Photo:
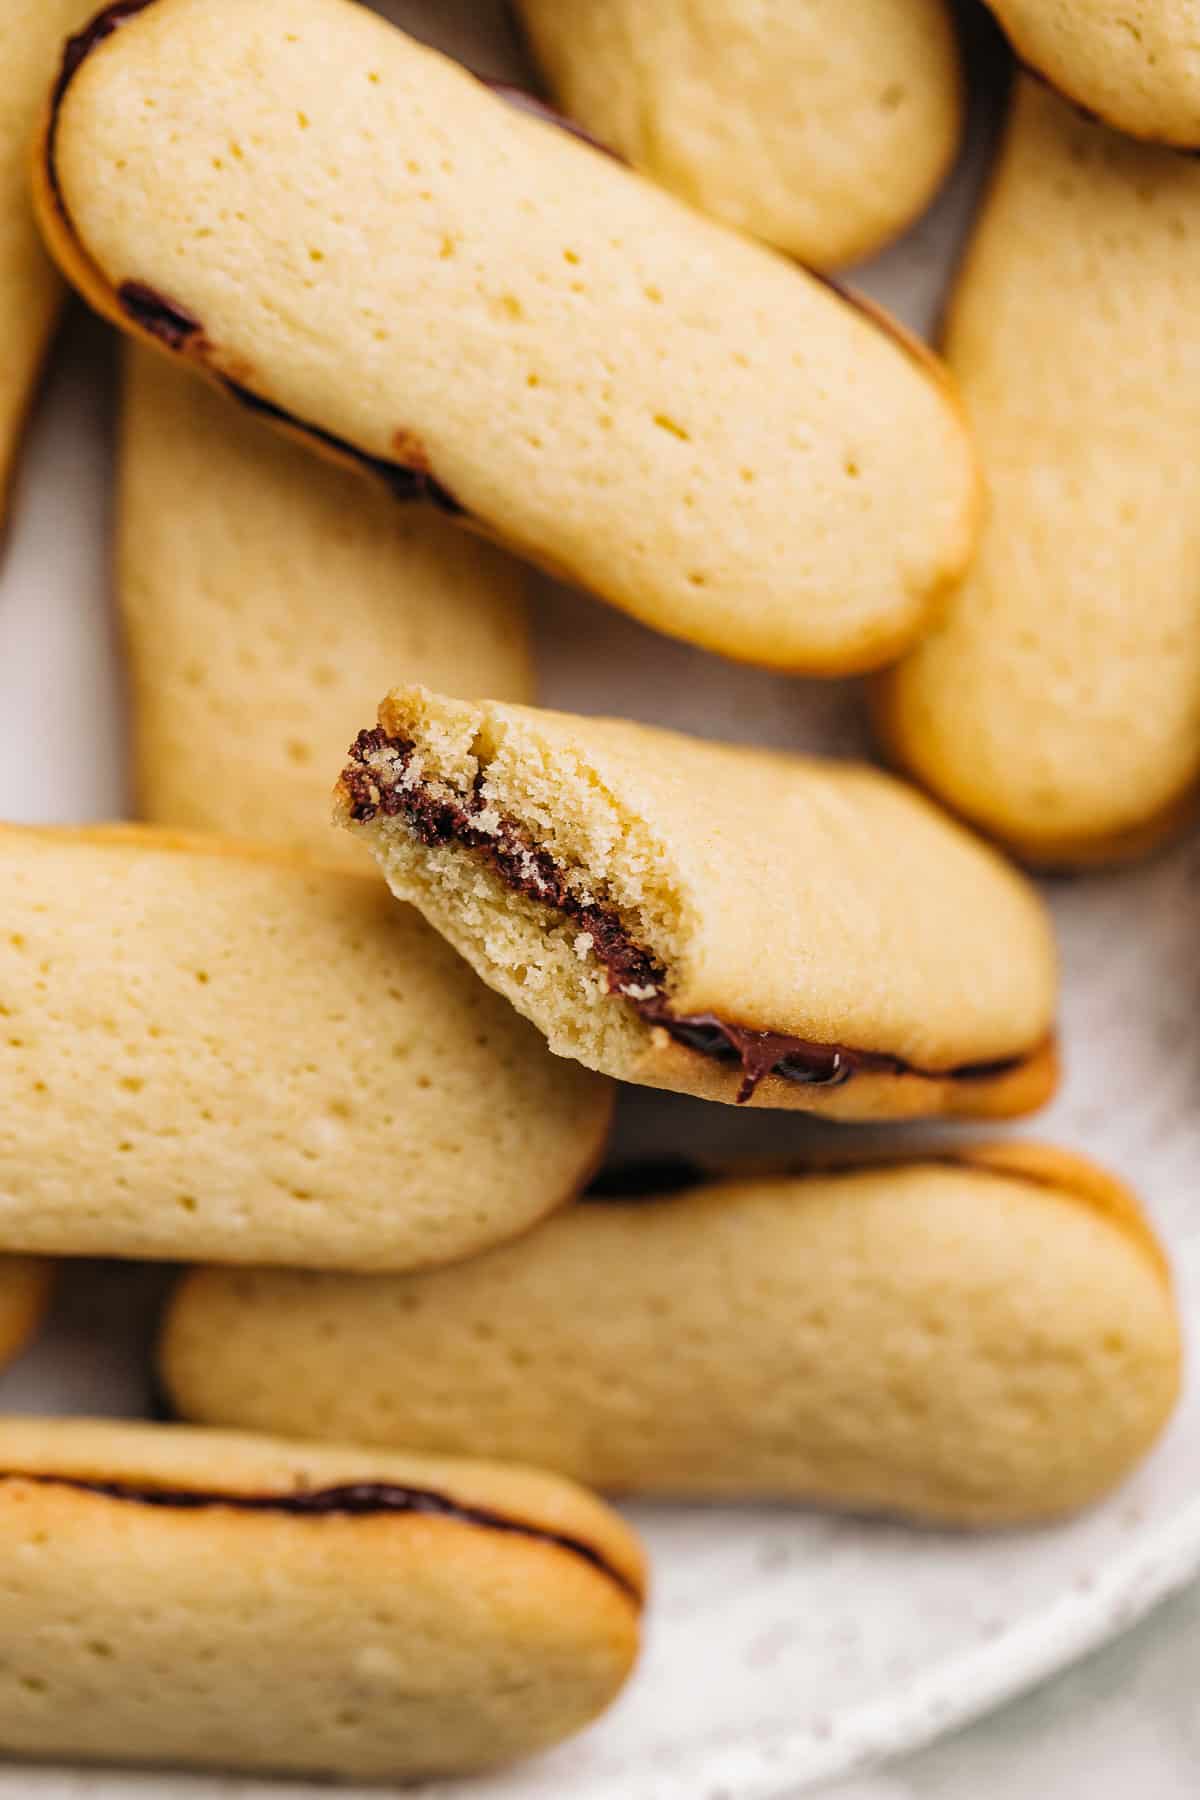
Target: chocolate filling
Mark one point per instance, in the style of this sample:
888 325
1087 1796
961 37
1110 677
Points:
359 1499
79 47
161 317
634 974
404 480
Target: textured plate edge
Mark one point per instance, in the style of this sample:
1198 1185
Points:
954 1694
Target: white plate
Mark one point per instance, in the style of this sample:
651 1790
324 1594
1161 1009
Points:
783 1646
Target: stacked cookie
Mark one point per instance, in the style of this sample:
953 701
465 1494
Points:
395 331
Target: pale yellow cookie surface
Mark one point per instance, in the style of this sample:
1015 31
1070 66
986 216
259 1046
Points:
419 272
31 291
1136 64
215 1052
778 894
822 128
197 1598
908 1338
1058 702
262 592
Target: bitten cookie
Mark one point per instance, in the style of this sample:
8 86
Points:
262 592
723 921
419 274
190 1597
1058 702
823 128
25 1285
907 1338
31 35
221 1052
1136 65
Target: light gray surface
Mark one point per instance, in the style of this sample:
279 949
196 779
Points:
1122 1725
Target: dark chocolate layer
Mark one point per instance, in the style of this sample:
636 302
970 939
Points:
634 974
359 1499
162 318
405 480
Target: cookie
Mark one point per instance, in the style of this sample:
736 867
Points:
262 592
1134 65
217 1051
31 292
727 922
1057 705
504 322
824 129
905 1338
25 1285
186 1597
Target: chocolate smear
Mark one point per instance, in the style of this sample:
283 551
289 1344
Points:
406 482
162 318
359 1499
634 974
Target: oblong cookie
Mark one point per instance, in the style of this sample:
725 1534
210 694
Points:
727 922
1135 65
262 592
211 1050
198 1598
420 276
824 129
1057 704
907 1338
31 291
25 1287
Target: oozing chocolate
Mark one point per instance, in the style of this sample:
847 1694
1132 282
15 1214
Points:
406 481
358 1499
161 317
633 972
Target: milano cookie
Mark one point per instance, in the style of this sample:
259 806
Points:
1058 702
31 35
907 1338
212 1051
824 128
727 922
188 1597
25 1285
262 592
372 248
1135 64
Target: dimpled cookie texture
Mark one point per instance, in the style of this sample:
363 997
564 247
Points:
262 591
1058 703
1136 64
898 1338
823 128
699 883
25 1286
31 292
514 325
217 1051
186 1597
